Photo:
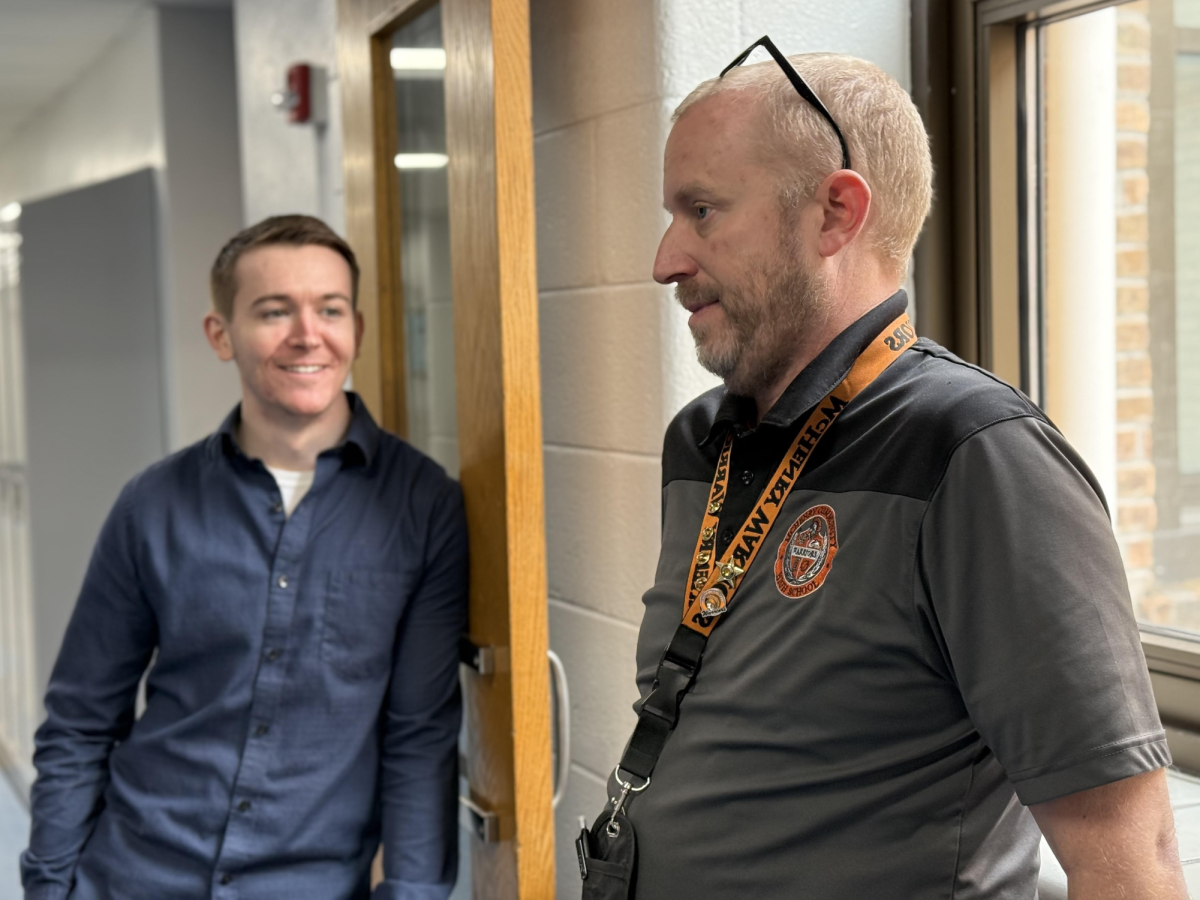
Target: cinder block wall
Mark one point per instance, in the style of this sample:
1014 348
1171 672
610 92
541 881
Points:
617 359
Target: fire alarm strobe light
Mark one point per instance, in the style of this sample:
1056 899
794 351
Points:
296 100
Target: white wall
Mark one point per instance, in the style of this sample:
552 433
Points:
161 96
288 168
201 208
107 124
617 358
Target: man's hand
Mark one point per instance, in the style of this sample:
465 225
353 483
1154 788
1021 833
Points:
1116 841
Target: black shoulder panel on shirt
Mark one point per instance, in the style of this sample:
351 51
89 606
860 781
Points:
896 437
683 458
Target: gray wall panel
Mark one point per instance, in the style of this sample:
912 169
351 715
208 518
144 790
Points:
93 377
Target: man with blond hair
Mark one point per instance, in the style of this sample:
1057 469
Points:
899 636
296 583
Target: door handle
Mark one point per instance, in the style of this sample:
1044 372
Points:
481 659
562 703
480 821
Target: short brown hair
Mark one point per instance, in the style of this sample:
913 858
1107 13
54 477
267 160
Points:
294 230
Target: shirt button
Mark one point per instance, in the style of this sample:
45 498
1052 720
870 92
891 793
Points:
726 535
226 878
747 477
276 507
244 806
261 730
282 581
272 655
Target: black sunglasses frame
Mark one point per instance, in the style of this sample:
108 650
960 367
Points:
798 83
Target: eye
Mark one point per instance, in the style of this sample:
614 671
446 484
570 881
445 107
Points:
332 312
702 212
274 313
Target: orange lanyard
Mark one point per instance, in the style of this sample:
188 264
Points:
712 584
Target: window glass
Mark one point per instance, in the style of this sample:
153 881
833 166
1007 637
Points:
1118 175
1187 264
418 65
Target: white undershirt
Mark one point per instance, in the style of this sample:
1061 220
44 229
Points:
292 485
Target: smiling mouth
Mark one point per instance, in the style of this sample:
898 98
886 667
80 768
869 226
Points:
303 370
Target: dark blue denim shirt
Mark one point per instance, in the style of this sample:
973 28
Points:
303 703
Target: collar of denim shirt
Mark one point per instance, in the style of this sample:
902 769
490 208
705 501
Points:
358 447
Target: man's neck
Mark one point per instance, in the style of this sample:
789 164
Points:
843 315
289 442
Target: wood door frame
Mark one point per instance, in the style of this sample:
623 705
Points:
489 132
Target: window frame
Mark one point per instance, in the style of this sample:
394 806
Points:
984 212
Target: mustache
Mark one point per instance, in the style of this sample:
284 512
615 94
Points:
688 293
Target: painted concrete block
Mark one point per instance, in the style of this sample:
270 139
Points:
629 153
598 654
586 796
876 30
565 171
701 37
602 529
602 355
683 378
591 57
617 364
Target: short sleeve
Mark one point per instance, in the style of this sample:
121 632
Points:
1022 582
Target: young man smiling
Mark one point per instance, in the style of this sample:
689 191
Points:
302 576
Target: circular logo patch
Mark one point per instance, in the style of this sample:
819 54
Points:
806 554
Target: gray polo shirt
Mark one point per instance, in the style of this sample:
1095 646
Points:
937 633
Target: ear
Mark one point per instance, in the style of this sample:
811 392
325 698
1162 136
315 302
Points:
216 329
359 327
845 200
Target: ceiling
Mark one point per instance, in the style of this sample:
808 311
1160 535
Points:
45 45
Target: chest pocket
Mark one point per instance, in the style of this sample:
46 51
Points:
362 609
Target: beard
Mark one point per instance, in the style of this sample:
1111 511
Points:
763 325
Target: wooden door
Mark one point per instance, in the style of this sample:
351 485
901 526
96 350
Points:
489 146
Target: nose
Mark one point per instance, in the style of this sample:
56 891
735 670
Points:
672 263
305 327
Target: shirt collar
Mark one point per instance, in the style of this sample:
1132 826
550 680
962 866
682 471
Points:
358 446
816 380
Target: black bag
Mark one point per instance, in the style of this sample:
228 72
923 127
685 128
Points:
607 856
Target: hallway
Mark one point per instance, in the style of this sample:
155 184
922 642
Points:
14 835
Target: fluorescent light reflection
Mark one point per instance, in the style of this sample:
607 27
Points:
10 213
418 59
421 160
